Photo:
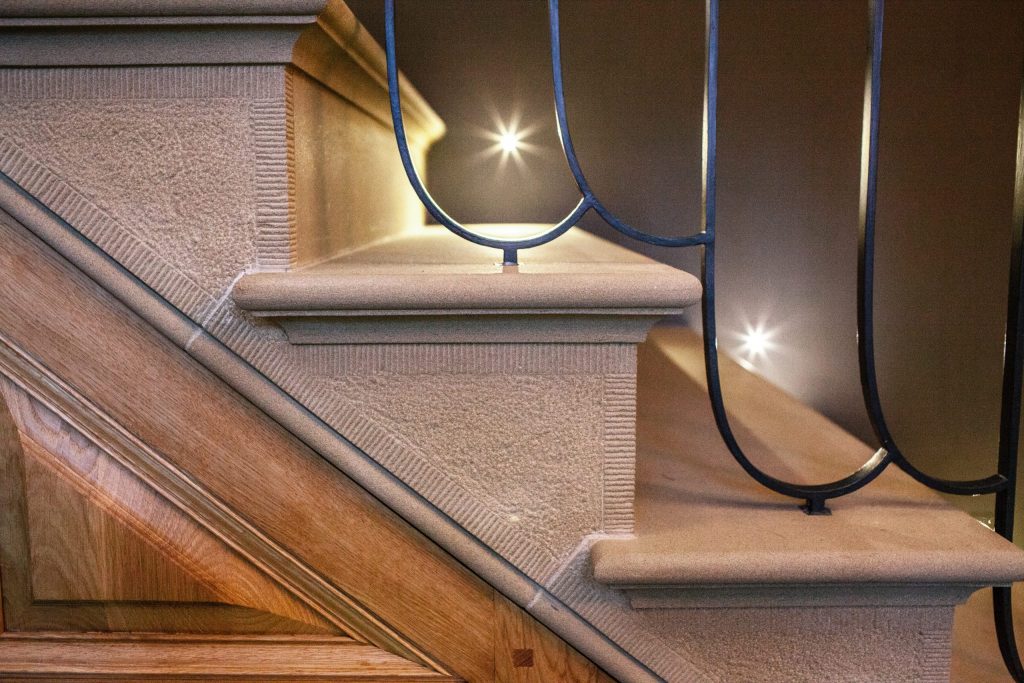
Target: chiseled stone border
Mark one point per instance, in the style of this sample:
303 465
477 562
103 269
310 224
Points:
473 359
619 449
144 82
275 215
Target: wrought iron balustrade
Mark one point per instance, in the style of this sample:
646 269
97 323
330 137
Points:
1002 484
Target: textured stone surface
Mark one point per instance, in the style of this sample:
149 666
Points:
527 447
158 166
896 645
177 173
197 215
530 447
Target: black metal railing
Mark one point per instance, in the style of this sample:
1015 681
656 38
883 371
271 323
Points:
1002 484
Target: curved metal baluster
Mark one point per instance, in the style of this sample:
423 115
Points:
509 247
1009 427
1004 482
1009 418
815 495
865 294
574 164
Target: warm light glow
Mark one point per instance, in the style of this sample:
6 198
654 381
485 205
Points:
756 341
509 141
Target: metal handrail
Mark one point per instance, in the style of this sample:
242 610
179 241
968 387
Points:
1002 483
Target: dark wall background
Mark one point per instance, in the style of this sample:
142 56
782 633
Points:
791 88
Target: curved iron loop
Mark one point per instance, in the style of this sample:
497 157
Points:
1004 482
569 151
814 495
865 283
509 247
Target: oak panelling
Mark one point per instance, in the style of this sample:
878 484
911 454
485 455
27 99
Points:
84 539
148 658
16 594
126 540
214 436
524 653
220 521
78 552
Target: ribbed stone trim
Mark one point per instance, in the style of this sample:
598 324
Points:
144 82
937 653
275 241
619 450
475 359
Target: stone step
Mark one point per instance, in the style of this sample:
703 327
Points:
429 286
868 590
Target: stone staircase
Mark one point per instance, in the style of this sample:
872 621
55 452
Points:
229 174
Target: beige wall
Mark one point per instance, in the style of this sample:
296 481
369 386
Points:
791 82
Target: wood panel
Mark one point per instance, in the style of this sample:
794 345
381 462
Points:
524 653
314 515
249 659
111 561
80 531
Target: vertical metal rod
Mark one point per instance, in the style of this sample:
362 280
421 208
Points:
868 202
709 129
1009 418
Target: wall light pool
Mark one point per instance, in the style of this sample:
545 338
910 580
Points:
756 342
509 140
